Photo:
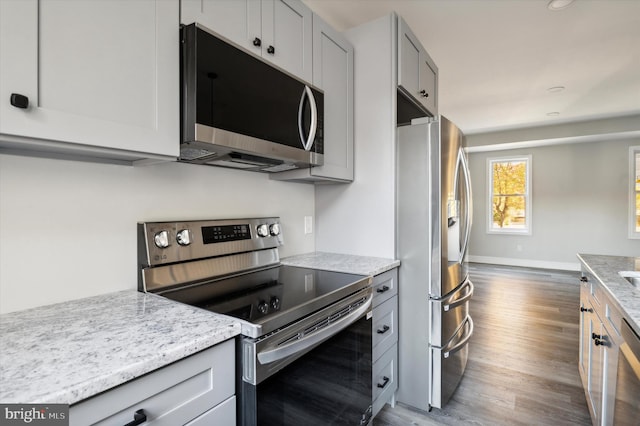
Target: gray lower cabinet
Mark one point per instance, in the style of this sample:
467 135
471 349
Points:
385 339
198 390
600 339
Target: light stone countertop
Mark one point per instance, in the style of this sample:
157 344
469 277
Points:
351 264
67 352
605 269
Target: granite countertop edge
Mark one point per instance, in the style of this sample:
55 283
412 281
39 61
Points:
346 263
605 268
69 355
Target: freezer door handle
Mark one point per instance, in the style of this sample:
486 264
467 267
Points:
454 300
448 351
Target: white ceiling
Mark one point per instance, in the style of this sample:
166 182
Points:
497 58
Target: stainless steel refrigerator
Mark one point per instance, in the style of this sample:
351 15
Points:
433 225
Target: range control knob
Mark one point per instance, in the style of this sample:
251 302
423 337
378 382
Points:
274 229
275 303
161 239
263 230
263 307
184 237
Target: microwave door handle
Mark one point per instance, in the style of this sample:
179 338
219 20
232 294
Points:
308 142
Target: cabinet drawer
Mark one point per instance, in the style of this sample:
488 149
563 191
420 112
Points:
385 327
385 286
173 395
223 414
385 373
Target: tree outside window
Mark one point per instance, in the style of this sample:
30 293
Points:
509 201
634 201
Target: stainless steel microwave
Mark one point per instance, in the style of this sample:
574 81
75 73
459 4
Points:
239 111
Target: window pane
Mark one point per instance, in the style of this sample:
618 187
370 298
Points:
510 177
638 212
638 172
509 212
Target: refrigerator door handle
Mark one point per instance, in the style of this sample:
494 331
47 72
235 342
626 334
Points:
448 351
453 302
468 216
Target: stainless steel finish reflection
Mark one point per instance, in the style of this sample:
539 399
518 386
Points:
165 277
213 146
152 255
449 363
270 354
434 222
448 313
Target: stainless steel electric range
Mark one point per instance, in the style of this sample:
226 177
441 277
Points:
305 352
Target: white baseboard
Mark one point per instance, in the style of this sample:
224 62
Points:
529 263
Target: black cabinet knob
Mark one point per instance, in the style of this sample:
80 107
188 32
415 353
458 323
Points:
586 309
584 279
19 101
271 50
424 93
139 417
257 42
596 336
602 342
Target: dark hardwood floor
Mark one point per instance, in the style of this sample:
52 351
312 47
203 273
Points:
523 356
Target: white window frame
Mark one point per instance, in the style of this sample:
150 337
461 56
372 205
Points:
633 151
528 198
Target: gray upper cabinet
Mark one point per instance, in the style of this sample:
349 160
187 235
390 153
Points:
333 73
280 31
417 73
101 78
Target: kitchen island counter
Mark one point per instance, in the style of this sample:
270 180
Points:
67 352
347 263
626 296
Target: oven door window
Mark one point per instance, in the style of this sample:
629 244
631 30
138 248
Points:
330 385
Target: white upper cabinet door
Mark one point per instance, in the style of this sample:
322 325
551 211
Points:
97 74
417 73
287 36
333 73
280 31
237 20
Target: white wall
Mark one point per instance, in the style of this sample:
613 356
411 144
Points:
68 229
359 218
580 205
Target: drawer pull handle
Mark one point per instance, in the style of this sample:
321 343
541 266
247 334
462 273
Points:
139 417
584 279
585 309
424 93
385 382
596 336
602 342
383 289
383 330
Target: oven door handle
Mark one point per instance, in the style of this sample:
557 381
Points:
286 350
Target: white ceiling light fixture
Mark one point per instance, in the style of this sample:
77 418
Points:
555 89
558 4
553 114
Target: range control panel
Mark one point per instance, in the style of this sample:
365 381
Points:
168 242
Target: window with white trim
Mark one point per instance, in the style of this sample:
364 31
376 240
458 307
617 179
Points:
509 202
634 192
